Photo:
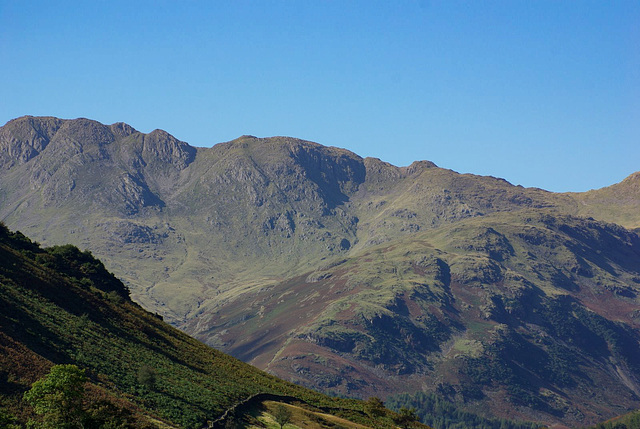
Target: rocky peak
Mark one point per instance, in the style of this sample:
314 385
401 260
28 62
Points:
122 130
336 170
24 138
632 181
85 132
418 167
162 146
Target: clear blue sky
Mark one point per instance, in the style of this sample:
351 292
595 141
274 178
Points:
541 93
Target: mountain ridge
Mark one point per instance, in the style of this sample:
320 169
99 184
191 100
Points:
224 239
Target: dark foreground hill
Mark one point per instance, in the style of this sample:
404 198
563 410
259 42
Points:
60 306
349 274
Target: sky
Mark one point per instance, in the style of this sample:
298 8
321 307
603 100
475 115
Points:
541 93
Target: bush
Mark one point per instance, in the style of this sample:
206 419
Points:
147 377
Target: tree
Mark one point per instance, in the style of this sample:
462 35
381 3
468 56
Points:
106 415
147 377
406 416
58 397
374 407
282 415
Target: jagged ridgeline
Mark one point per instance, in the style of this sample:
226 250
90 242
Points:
348 274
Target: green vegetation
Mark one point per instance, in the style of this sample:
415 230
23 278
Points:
406 417
282 415
74 349
147 377
58 397
441 414
374 407
7 420
627 421
264 415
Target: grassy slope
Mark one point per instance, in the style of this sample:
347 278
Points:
84 317
619 203
301 417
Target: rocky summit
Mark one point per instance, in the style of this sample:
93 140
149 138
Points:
348 274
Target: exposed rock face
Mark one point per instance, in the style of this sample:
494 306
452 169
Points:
25 138
351 274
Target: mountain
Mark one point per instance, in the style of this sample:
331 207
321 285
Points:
347 274
521 312
61 306
617 203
